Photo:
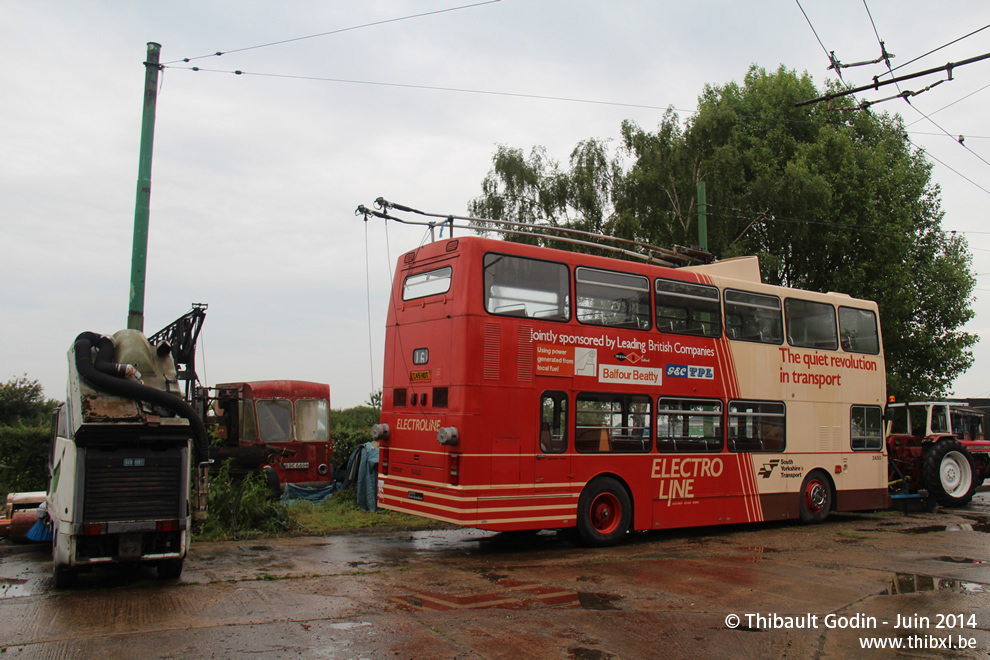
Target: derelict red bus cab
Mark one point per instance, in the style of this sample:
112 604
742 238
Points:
283 425
533 388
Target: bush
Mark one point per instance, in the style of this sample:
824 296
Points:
25 427
241 504
351 427
24 458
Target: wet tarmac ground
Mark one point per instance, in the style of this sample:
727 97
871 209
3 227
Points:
921 580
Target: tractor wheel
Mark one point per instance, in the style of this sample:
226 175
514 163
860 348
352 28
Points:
947 472
816 497
604 512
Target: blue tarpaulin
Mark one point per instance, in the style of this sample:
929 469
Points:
362 470
294 492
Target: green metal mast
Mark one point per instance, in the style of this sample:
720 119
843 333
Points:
142 207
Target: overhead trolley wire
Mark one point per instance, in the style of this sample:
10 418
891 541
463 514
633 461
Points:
935 50
435 88
338 31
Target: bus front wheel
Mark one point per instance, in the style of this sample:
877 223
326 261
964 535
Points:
816 497
604 512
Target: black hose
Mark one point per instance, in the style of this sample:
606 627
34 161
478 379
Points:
107 376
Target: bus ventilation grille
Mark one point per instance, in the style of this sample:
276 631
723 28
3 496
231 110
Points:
451 246
525 354
493 354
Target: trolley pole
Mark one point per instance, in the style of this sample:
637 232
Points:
142 206
702 217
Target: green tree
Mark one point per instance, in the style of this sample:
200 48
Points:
828 197
351 427
535 190
25 425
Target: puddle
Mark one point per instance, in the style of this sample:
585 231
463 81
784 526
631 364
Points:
907 583
959 527
515 595
493 577
13 587
597 601
962 560
590 654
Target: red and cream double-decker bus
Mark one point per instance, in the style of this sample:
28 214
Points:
534 388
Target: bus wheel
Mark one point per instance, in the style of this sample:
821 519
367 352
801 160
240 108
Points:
64 575
816 497
604 511
947 472
170 569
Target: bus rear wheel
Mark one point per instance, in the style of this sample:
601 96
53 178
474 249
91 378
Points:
604 512
816 497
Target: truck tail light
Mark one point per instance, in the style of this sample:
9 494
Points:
455 471
168 525
93 529
383 460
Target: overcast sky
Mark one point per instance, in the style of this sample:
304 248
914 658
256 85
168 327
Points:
256 177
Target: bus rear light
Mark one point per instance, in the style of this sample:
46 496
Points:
383 460
455 463
167 526
447 436
93 529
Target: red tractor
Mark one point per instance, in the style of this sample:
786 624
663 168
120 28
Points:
938 447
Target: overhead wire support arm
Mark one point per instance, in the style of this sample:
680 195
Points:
884 57
673 257
906 95
877 83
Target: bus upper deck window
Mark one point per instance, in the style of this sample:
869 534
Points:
810 324
858 331
527 288
613 299
753 317
430 283
684 308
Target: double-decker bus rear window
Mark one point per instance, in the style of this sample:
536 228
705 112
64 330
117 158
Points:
612 422
810 324
866 430
756 426
858 331
689 425
613 299
753 317
431 283
528 288
688 309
